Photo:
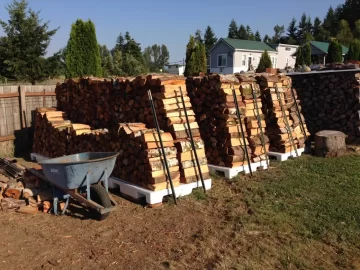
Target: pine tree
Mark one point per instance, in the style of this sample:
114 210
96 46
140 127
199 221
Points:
189 60
202 58
331 22
257 36
242 33
24 45
306 52
106 61
198 36
334 52
233 29
266 38
250 35
117 62
299 57
209 40
344 35
357 29
292 32
265 61
279 31
354 50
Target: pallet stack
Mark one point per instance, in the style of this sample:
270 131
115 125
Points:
277 131
141 161
251 97
51 132
214 106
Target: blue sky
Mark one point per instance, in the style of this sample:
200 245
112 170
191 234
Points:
168 22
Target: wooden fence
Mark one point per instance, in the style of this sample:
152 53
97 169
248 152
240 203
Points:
17 113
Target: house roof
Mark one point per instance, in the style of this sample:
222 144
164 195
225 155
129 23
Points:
324 46
241 44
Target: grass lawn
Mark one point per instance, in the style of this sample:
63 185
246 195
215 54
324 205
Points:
303 213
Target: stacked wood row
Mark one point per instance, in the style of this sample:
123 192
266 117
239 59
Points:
251 97
214 106
330 101
278 117
51 132
141 161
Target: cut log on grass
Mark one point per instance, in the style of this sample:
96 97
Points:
330 143
27 210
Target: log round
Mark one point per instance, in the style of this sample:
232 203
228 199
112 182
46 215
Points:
330 143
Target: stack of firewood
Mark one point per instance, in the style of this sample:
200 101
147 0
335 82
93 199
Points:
251 97
214 106
330 101
278 117
51 133
140 160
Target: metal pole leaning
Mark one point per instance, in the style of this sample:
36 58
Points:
242 130
162 145
299 114
286 120
260 125
192 141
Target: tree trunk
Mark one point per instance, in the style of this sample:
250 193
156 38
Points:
330 143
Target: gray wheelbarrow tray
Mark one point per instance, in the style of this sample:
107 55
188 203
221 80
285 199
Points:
76 172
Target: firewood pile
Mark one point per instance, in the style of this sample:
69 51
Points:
251 97
51 132
141 161
214 106
330 101
278 117
21 191
129 103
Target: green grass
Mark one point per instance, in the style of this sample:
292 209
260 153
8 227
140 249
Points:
304 213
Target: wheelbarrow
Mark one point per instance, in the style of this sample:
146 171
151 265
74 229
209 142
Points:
80 174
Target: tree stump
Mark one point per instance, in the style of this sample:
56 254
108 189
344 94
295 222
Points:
330 143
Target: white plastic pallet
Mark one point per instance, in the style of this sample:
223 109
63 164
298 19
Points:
233 172
154 197
286 156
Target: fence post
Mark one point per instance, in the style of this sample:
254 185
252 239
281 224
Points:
22 103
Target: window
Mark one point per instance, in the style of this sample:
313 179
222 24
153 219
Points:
244 60
222 60
287 49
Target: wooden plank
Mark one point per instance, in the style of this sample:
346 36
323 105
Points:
7 138
9 95
40 94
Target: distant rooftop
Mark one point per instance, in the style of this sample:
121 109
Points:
242 44
324 47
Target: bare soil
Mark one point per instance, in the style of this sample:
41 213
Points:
301 214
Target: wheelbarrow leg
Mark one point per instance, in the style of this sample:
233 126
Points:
88 187
106 183
66 204
55 205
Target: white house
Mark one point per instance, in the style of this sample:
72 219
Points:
230 56
176 69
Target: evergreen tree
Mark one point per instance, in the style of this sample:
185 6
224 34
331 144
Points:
189 60
292 32
83 54
349 11
120 43
331 22
209 40
357 29
305 30
344 35
24 45
266 38
106 61
354 50
92 55
242 33
198 36
250 35
257 36
202 58
117 62
306 51
265 61
299 57
317 27
233 29
334 52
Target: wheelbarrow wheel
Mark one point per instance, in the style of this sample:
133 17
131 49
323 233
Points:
99 195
